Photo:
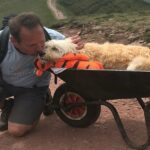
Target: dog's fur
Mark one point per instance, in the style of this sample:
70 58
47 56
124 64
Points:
111 55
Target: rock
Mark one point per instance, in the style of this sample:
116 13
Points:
147 35
97 28
133 38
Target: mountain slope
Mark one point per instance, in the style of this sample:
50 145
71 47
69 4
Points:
16 6
84 7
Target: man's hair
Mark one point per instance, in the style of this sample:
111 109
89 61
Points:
27 19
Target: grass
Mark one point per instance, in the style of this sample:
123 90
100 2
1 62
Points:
131 15
17 6
87 7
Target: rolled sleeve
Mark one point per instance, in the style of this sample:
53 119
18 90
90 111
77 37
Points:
55 34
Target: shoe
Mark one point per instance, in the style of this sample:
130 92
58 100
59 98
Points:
3 125
8 104
48 109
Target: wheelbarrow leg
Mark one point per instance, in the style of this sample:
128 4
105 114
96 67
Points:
122 130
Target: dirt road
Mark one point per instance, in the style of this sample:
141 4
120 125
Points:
54 134
57 13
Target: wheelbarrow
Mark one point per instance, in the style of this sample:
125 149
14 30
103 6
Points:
78 101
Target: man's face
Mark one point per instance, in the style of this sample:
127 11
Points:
31 41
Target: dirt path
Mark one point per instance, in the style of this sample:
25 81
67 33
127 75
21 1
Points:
57 13
53 134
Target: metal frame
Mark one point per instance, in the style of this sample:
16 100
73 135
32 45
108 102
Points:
131 144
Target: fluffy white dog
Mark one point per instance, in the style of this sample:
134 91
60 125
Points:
111 55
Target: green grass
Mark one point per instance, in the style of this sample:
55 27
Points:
87 7
17 6
131 15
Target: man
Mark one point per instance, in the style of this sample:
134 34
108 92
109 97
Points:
19 80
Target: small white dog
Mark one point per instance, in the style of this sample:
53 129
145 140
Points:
55 49
111 55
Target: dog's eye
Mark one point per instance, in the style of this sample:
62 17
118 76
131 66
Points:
54 49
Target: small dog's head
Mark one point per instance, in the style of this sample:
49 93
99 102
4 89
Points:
55 49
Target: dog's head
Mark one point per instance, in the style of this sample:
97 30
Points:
55 49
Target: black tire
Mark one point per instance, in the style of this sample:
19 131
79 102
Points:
48 108
88 113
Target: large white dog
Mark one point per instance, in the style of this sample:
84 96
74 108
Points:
111 55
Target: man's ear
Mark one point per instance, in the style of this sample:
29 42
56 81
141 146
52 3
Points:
14 41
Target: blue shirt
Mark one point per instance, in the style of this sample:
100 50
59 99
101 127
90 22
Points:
19 70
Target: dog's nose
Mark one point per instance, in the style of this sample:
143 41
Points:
41 54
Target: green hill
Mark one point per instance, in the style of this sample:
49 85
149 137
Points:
124 21
112 19
87 7
38 6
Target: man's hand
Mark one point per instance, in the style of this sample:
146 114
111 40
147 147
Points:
77 40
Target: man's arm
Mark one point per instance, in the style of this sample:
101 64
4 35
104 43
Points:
55 34
58 36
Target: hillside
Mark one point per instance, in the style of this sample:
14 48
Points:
87 7
124 21
16 6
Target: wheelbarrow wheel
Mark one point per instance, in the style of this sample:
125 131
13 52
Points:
81 115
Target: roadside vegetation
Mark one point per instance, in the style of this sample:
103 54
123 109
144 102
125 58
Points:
113 20
90 7
16 6
107 20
